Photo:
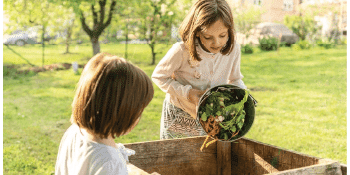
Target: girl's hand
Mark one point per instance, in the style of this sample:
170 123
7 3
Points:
194 95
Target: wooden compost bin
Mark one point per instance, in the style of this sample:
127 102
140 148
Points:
244 156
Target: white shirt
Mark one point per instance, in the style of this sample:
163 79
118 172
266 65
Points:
80 156
175 76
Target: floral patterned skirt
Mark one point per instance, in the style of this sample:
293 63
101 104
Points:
176 123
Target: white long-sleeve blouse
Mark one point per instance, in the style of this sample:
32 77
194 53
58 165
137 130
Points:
176 75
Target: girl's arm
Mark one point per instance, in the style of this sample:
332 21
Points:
236 76
162 74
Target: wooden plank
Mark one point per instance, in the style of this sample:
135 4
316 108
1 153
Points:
133 170
246 161
182 156
343 168
243 158
171 147
325 167
178 165
263 167
286 159
223 158
239 159
175 156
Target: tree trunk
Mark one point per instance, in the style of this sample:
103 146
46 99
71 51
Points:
67 46
145 29
95 45
153 57
126 41
68 39
98 23
43 45
152 45
152 39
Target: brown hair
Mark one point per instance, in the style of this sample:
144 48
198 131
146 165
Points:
202 14
111 96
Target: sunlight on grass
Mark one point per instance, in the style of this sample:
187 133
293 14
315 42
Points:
301 95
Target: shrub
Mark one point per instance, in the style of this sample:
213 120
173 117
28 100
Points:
268 43
302 44
343 41
303 26
284 44
247 49
327 44
9 70
16 71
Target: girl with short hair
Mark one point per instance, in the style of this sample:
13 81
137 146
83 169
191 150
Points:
110 98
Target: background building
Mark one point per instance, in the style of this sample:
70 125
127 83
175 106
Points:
273 10
329 14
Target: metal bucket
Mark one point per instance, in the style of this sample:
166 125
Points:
249 107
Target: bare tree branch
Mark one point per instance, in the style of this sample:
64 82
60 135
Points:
111 11
102 11
94 15
85 27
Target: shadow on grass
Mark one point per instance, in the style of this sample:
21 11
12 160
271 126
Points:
69 53
19 55
260 88
12 71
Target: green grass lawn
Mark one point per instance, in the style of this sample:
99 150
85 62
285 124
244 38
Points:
301 95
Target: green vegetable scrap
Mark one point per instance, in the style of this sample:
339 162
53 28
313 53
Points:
224 106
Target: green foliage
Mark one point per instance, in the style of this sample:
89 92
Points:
94 17
343 41
268 43
11 71
204 117
156 18
325 43
226 104
68 26
302 26
246 17
31 13
247 49
302 44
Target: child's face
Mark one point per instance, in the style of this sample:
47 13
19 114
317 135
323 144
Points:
214 37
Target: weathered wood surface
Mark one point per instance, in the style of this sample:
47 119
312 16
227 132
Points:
261 166
133 170
176 156
223 158
182 157
343 168
325 167
249 156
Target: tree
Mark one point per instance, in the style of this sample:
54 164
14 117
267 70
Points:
67 25
125 18
30 13
155 18
246 18
301 25
99 23
101 17
308 14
